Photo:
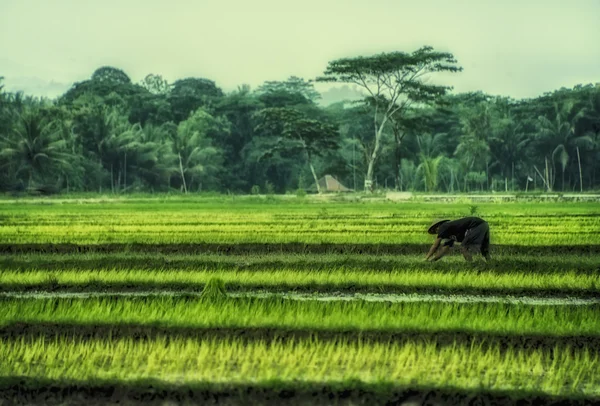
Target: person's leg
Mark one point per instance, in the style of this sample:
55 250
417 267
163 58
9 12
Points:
465 250
485 244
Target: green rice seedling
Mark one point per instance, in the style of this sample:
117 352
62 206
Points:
232 222
282 273
358 316
563 370
515 263
214 289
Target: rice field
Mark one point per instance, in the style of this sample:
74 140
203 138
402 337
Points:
197 301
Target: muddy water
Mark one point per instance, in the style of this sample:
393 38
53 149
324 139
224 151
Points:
331 297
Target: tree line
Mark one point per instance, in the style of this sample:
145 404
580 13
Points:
108 134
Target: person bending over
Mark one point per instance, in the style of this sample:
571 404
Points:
472 233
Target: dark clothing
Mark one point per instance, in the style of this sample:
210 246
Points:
471 232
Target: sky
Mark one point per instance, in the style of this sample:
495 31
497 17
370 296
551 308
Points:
517 48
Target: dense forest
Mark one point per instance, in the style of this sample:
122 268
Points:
108 134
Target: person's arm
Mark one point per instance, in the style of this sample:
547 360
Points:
433 248
445 249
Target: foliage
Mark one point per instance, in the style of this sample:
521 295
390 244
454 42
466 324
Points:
36 148
548 227
290 319
394 81
565 371
108 133
199 160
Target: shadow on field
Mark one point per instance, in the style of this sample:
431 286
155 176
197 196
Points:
503 341
23 390
291 248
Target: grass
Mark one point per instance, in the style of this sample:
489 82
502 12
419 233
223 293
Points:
194 312
562 371
230 223
420 279
519 274
214 290
475 347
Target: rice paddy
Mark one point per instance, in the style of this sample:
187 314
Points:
236 302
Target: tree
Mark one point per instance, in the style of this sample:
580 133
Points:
430 158
110 75
190 94
111 85
35 148
238 107
402 124
155 84
297 90
508 146
559 135
293 131
393 81
429 168
198 159
473 149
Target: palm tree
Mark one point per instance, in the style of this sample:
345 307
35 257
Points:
35 148
196 155
429 168
559 135
473 149
430 158
132 152
159 146
508 146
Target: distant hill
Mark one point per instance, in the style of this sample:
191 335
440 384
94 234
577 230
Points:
25 78
340 93
35 86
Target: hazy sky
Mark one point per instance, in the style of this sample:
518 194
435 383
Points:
519 48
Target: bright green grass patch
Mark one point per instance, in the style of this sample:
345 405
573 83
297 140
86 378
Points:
558 371
425 277
192 312
155 222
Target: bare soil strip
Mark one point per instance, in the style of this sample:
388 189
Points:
110 288
330 297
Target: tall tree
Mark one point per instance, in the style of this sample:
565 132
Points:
35 148
393 81
111 75
190 94
293 91
156 84
238 107
293 131
199 160
558 134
